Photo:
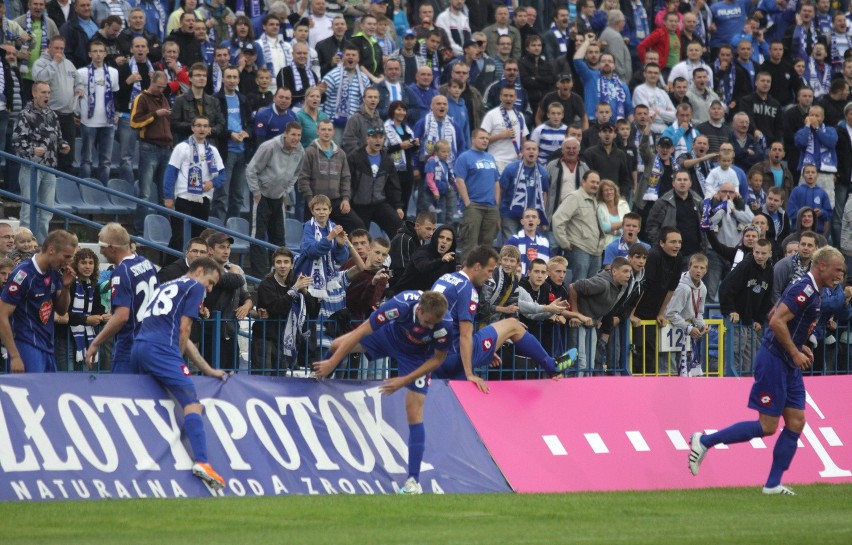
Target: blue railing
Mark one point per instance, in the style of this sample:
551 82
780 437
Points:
187 220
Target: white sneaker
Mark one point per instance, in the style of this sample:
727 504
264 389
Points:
411 486
780 489
697 451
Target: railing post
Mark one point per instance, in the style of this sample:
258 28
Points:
33 198
187 229
217 335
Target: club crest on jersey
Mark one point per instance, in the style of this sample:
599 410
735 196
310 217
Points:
486 344
45 311
809 290
532 253
391 314
765 400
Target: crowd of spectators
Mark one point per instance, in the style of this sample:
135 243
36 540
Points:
661 137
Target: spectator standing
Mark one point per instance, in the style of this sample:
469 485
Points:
195 248
817 145
659 171
98 116
376 194
194 103
270 121
685 312
507 129
602 84
764 112
715 128
78 31
565 174
726 213
700 96
429 262
37 137
607 159
811 195
613 42
66 88
271 173
195 169
41 30
361 122
344 89
611 210
523 184
498 297
775 172
137 26
410 236
796 118
529 241
133 76
501 27
794 267
330 49
478 187
228 199
781 71
577 230
151 118
573 108
748 149
661 109
273 51
678 208
455 23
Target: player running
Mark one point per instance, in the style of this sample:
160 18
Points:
778 388
414 329
161 342
133 281
478 350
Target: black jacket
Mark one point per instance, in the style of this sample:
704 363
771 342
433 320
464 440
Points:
746 290
173 270
663 271
76 42
245 119
125 44
185 111
426 265
54 11
403 245
190 48
326 50
122 96
385 184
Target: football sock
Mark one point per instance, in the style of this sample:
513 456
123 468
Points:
782 455
528 346
416 445
738 433
194 428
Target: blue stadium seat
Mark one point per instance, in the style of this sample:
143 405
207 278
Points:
216 221
376 231
68 195
293 230
123 186
240 226
157 229
100 199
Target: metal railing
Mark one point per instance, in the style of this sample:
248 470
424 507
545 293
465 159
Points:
187 220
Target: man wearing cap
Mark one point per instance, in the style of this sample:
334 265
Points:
608 160
657 178
407 57
230 297
572 103
247 65
330 50
376 193
501 27
456 24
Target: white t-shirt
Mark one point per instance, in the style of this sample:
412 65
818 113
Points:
504 150
181 159
99 118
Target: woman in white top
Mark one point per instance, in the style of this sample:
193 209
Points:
611 210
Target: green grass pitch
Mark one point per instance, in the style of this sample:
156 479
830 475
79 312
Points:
818 515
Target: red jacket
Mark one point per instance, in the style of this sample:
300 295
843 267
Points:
658 40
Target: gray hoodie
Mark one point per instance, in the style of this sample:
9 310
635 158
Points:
273 169
597 295
324 175
681 310
64 83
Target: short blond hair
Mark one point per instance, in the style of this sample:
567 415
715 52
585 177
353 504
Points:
557 260
510 251
115 234
319 199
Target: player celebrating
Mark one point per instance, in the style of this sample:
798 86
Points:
133 281
778 387
36 289
479 350
161 342
414 329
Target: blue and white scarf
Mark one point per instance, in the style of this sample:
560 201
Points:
217 14
252 8
701 27
137 85
432 134
322 269
295 326
267 52
652 190
83 335
611 90
298 85
393 138
836 55
436 64
29 28
109 101
820 83
561 37
520 197
727 82
194 179
640 20
803 46
517 138
341 112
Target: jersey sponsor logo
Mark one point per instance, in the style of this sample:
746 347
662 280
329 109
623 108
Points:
765 400
472 307
116 280
487 343
185 370
801 298
440 333
19 277
45 311
391 314
13 287
380 317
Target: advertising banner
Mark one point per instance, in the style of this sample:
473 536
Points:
75 436
627 433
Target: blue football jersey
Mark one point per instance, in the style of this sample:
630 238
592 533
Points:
33 293
463 300
169 303
803 299
133 283
396 319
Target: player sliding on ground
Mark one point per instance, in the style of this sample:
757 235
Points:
414 329
469 351
778 387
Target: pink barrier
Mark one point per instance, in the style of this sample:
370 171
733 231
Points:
623 433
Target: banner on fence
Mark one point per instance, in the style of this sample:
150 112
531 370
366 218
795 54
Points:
69 436
614 433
